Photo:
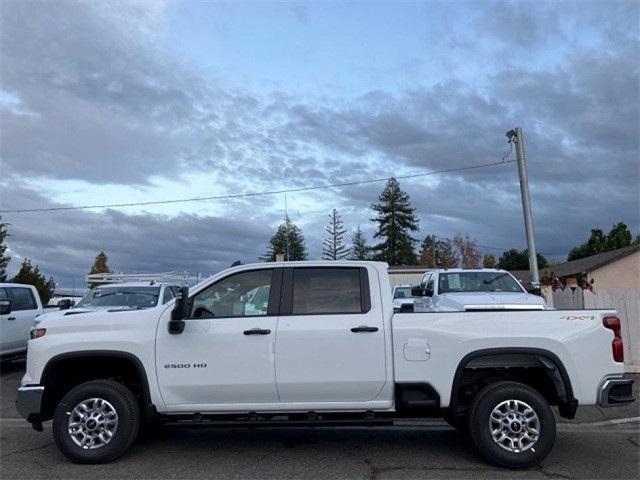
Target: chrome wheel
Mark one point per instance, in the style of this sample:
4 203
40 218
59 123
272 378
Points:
93 423
515 426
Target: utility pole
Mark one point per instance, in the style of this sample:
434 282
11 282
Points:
516 136
286 220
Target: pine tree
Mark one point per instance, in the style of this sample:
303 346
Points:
4 259
333 247
278 243
396 220
99 266
30 275
359 248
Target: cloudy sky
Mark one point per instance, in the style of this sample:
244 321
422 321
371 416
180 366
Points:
121 102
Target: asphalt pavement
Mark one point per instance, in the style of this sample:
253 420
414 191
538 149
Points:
602 443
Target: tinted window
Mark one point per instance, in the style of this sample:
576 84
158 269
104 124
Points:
244 294
326 290
3 294
21 298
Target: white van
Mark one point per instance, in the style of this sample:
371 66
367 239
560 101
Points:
19 306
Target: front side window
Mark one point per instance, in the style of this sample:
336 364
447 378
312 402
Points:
126 297
244 294
21 298
326 290
478 282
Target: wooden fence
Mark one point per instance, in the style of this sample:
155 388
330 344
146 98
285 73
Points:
627 304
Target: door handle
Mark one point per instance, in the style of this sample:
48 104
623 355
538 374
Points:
364 328
257 331
11 318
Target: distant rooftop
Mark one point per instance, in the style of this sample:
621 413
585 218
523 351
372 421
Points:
580 266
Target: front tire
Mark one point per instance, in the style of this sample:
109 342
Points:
96 422
512 425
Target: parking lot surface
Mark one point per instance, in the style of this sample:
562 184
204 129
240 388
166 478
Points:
412 450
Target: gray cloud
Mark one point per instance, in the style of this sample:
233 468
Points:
99 102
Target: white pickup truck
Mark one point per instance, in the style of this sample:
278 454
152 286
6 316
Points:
462 289
325 348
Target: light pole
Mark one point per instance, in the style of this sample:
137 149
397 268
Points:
516 136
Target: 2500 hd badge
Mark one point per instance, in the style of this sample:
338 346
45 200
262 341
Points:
185 365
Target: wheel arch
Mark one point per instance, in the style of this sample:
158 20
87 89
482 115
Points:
503 358
51 370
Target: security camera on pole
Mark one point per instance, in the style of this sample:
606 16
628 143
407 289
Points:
516 136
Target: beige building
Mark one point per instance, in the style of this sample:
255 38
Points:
614 271
406 274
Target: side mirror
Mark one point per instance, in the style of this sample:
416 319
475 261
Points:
180 312
417 291
428 292
66 304
5 307
534 289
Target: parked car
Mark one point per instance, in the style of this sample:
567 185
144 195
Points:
457 290
326 349
116 297
19 306
402 298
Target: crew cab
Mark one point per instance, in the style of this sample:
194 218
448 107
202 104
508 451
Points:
324 349
459 290
19 306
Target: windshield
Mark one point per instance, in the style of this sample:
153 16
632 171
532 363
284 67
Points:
402 292
132 297
477 282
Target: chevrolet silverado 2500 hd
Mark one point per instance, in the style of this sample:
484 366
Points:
317 343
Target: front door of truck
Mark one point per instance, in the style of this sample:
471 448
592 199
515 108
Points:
225 355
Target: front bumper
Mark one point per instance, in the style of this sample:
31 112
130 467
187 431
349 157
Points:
615 390
29 404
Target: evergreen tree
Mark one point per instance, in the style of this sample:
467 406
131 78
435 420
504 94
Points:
437 253
359 248
396 220
99 266
4 258
278 243
333 247
489 261
30 275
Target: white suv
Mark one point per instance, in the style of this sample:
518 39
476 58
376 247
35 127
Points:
459 290
19 306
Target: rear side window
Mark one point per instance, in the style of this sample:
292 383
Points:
21 298
3 294
327 290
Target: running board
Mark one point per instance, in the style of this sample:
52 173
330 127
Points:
276 420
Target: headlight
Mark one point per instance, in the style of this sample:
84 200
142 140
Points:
37 333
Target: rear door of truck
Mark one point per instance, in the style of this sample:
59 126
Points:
330 343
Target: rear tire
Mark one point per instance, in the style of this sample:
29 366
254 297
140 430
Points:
96 422
512 425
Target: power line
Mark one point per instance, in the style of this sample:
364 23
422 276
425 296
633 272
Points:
254 194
